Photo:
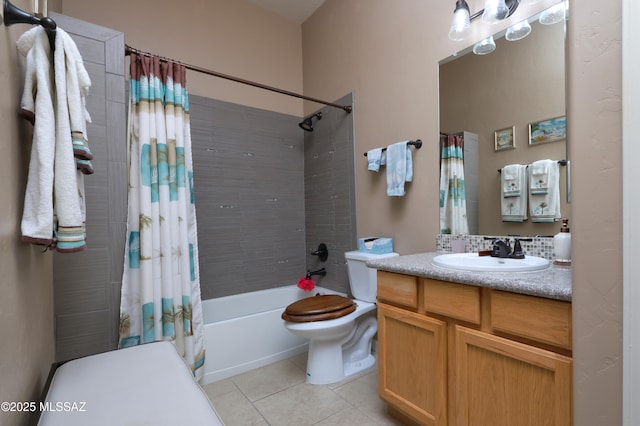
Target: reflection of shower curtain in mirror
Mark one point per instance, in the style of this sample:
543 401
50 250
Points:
453 206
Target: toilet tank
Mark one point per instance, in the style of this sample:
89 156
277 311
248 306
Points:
362 279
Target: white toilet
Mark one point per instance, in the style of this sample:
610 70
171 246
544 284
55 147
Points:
340 329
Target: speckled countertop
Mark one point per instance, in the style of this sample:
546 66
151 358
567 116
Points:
552 283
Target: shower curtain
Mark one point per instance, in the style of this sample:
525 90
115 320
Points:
160 285
453 205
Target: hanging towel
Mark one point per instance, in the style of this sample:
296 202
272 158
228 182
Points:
399 168
544 204
513 184
53 100
375 158
540 176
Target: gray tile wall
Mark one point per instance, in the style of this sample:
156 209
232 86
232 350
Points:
330 201
249 191
87 284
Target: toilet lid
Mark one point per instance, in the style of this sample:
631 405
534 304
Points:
319 308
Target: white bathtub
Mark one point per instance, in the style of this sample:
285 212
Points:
245 331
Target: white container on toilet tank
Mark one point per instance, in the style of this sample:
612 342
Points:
362 279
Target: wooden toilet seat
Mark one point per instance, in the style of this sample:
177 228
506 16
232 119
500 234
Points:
319 308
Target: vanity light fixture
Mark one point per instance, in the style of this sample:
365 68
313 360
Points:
494 11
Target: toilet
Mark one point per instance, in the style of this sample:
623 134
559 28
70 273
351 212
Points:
339 329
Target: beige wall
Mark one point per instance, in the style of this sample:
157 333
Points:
26 302
387 53
231 37
520 82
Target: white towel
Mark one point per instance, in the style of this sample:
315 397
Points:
540 176
545 206
399 168
37 99
513 181
53 179
374 158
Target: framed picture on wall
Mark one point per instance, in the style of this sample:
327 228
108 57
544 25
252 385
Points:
504 139
551 130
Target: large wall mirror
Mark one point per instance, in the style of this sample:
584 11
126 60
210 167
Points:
519 83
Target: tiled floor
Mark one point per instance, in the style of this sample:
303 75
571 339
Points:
277 394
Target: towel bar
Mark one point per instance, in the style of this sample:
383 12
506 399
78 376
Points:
15 15
417 143
561 162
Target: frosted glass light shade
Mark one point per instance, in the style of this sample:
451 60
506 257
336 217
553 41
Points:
554 14
494 11
518 31
485 46
461 25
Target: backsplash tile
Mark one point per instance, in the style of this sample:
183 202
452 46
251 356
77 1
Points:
540 246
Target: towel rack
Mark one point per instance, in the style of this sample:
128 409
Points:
561 162
15 15
417 143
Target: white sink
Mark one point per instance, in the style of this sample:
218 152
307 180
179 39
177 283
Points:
473 262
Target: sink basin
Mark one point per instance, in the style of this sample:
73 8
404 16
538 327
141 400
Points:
473 262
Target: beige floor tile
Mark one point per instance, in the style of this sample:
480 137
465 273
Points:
301 405
259 383
221 387
236 410
348 417
362 393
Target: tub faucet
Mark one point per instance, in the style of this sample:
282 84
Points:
318 272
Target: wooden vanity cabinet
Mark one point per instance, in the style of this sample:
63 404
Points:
453 354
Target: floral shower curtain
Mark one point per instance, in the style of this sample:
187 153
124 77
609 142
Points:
160 284
453 205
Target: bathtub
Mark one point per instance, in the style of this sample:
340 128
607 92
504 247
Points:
245 331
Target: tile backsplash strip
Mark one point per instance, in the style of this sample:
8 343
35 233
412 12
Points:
540 246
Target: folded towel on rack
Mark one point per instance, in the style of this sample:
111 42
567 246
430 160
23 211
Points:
544 206
399 168
514 180
375 158
540 175
513 184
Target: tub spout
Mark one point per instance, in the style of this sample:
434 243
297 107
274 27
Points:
322 272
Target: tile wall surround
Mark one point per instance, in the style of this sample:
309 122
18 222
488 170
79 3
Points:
540 246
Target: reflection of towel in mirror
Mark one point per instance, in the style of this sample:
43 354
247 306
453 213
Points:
544 205
399 168
513 203
513 179
540 176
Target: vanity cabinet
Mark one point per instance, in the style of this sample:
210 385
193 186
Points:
455 354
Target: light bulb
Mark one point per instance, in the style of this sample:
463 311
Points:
518 31
553 15
485 46
494 11
461 25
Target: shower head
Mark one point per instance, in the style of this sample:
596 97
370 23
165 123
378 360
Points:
307 123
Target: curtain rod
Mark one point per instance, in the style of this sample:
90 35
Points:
128 50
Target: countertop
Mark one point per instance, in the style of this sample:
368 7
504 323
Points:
552 283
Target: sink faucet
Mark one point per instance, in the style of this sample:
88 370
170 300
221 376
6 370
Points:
501 248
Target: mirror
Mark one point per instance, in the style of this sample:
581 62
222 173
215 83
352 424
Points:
502 93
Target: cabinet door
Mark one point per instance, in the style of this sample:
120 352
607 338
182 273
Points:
504 383
412 364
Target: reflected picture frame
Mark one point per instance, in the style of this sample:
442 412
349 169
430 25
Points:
504 139
549 130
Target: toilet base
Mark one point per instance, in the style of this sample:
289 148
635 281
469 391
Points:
329 362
